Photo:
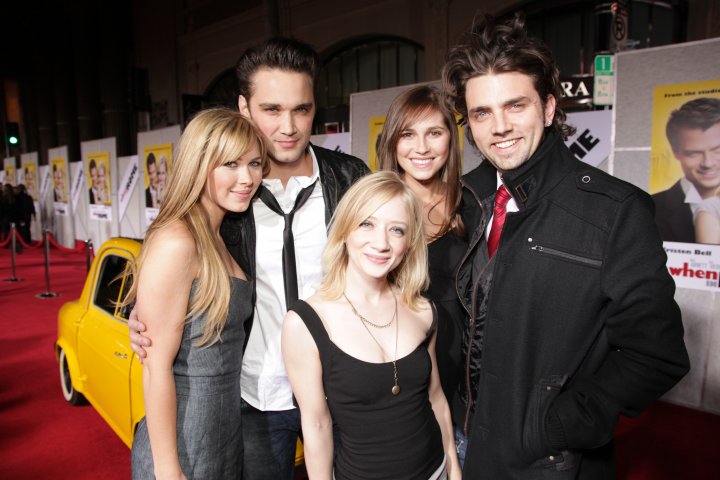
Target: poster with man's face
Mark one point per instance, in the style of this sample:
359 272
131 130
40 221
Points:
98 182
158 163
98 179
59 180
10 174
685 158
31 180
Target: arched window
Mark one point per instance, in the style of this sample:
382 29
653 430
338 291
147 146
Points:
359 65
222 92
352 66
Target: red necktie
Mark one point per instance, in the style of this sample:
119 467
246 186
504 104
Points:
501 199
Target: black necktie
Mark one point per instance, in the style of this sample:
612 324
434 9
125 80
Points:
288 258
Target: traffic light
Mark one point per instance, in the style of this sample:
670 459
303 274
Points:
12 133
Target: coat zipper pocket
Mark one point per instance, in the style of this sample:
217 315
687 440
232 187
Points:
568 256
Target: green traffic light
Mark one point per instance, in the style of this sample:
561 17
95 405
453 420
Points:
12 133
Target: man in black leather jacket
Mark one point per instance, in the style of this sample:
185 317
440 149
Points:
572 318
276 92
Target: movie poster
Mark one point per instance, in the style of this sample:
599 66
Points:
31 180
157 163
685 161
376 126
694 266
10 174
685 180
97 166
60 186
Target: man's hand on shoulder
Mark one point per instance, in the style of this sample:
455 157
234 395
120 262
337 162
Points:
137 341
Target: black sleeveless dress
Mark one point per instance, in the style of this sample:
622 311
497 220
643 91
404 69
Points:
444 256
382 436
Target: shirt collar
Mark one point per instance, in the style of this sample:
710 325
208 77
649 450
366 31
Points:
295 183
512 205
691 194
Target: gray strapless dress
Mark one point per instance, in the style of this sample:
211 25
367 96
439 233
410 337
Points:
207 382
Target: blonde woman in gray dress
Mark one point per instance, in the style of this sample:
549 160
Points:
194 299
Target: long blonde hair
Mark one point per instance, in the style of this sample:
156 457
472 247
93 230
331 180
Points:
211 138
359 202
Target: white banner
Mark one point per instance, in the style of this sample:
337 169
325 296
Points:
591 142
60 208
100 212
45 185
340 142
150 214
694 265
77 186
127 184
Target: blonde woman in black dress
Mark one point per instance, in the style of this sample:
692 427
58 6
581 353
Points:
361 351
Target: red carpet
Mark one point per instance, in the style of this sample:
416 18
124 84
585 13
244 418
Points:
668 442
41 436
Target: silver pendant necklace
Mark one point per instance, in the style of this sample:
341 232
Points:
368 322
396 387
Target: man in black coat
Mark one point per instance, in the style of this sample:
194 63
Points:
573 320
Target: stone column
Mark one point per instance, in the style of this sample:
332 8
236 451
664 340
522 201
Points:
435 26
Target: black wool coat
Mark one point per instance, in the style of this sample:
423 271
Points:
577 318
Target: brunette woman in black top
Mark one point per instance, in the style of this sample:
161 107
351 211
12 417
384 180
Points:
420 142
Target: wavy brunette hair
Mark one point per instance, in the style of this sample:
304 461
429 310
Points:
409 107
491 48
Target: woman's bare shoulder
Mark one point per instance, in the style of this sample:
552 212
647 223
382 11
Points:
173 247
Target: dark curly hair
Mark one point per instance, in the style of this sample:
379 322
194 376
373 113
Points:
491 47
282 53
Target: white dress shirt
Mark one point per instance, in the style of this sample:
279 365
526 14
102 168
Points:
264 380
692 197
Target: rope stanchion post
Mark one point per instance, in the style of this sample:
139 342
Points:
47 293
89 254
12 277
